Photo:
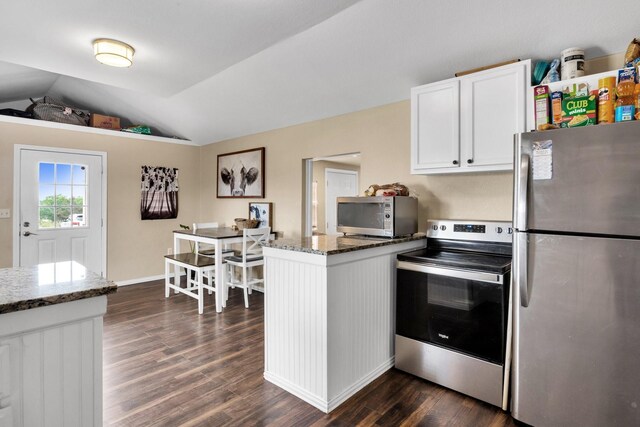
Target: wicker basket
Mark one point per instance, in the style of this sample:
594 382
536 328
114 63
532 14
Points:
243 223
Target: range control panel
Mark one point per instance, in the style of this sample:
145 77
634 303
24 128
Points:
469 228
485 231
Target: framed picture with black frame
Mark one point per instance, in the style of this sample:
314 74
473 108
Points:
262 211
241 174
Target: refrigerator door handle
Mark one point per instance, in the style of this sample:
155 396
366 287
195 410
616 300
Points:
521 253
523 184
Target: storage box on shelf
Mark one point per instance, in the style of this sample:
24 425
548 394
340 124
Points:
467 124
104 122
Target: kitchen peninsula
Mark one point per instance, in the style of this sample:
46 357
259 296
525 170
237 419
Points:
51 345
329 313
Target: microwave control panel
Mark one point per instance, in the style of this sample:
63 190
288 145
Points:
388 218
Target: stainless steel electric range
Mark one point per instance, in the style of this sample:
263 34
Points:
452 307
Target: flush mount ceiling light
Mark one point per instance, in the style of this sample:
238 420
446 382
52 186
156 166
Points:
113 52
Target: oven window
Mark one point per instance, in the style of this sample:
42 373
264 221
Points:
463 315
363 215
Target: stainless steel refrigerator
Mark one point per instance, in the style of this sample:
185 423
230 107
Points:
576 287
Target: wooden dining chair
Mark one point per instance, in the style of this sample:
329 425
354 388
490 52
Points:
204 249
200 248
251 256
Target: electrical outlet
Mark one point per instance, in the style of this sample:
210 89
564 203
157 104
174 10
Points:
5 213
169 251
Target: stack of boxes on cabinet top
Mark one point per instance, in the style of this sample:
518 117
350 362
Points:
617 98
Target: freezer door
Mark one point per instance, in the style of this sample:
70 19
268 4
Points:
594 185
577 342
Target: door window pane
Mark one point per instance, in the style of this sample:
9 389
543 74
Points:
63 216
79 174
47 173
62 195
46 218
79 196
47 195
63 174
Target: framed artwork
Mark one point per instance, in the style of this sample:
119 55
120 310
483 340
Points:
241 174
159 193
262 212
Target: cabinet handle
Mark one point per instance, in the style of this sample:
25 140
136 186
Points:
469 161
455 162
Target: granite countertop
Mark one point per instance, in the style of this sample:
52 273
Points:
22 288
332 245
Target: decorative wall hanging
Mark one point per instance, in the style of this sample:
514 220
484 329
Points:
241 174
159 193
262 212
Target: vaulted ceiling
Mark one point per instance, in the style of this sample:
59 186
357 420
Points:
213 70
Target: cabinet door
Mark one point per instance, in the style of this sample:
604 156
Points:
493 109
435 126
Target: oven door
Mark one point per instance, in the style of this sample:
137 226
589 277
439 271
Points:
462 310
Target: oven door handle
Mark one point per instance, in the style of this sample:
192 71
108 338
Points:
477 276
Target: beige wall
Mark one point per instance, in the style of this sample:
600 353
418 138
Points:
382 136
318 176
135 247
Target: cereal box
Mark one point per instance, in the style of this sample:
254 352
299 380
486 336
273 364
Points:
578 111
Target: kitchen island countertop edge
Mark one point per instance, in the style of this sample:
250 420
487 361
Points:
333 245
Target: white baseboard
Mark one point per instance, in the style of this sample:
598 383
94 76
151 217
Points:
297 391
141 280
359 385
322 404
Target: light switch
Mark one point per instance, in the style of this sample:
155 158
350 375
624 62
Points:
5 213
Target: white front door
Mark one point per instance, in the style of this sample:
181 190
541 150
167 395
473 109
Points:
339 183
60 213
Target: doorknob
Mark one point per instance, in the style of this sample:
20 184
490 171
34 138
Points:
28 233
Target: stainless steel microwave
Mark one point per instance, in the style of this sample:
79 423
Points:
378 216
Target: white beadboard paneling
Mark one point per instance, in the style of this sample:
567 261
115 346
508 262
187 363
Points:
56 363
71 372
32 361
297 316
329 321
52 384
360 319
5 372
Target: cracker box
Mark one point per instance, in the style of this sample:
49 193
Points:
104 122
541 102
579 111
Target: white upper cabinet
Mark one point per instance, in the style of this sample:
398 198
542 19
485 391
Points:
467 124
435 125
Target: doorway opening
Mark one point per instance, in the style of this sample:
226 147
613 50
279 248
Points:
327 178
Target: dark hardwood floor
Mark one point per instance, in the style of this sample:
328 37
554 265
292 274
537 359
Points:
164 365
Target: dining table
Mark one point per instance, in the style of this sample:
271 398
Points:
220 238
